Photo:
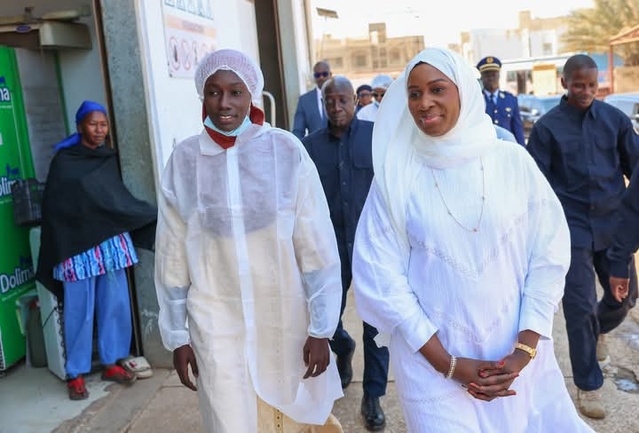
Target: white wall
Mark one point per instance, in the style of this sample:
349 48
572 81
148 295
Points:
298 73
541 38
173 104
503 44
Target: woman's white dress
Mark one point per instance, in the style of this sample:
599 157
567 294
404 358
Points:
476 290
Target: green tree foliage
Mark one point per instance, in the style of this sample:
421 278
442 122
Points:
590 30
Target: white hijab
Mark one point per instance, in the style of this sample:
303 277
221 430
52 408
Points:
398 143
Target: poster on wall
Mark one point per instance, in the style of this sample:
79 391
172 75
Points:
189 33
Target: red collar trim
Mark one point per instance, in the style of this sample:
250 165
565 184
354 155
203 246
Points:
255 114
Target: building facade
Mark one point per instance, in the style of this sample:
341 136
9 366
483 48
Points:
360 59
138 60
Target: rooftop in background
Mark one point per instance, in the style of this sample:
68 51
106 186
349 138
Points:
361 58
416 17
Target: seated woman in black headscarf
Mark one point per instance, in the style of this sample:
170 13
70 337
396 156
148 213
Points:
87 215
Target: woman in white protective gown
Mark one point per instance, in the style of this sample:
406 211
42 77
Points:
459 261
246 256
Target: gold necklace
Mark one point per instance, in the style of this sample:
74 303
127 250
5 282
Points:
483 200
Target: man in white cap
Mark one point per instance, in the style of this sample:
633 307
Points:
246 253
380 84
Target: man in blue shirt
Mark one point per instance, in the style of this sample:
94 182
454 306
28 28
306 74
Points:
343 155
501 106
584 147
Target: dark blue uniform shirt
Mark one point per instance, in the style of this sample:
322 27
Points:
345 166
584 156
626 240
506 114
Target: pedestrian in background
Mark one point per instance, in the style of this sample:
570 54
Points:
343 156
379 84
309 114
584 147
86 247
246 255
459 261
364 96
501 106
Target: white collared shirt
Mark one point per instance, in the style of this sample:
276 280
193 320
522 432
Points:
320 104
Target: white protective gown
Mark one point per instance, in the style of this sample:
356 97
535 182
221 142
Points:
476 290
245 252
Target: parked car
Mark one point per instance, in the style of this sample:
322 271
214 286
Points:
626 102
532 107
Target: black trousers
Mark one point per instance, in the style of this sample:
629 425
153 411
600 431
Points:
586 317
375 358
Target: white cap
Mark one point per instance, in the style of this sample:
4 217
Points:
231 60
384 81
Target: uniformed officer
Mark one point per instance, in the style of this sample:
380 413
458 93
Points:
501 106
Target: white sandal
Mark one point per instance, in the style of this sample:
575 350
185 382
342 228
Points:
137 365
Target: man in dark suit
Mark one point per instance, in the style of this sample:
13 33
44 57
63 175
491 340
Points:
501 106
342 152
309 116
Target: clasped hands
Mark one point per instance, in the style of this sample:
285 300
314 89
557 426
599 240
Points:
487 380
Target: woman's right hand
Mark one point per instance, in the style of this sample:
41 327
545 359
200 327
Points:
182 357
487 388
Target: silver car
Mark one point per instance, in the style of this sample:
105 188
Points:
626 102
532 107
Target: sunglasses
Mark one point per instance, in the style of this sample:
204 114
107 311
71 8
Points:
378 95
363 94
321 74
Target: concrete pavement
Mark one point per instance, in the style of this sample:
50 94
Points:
161 404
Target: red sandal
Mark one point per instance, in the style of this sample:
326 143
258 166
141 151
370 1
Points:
77 389
118 374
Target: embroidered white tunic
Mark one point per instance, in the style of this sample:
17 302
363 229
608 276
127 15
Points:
476 290
245 252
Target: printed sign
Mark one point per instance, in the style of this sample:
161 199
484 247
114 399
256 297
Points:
189 33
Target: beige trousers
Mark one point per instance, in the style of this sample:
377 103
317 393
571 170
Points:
271 420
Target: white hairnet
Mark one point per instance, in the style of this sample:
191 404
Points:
231 60
383 81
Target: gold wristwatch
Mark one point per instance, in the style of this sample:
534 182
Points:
532 352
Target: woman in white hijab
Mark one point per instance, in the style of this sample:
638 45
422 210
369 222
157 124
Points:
246 253
460 257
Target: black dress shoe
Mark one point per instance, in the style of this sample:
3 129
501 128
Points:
345 367
374 418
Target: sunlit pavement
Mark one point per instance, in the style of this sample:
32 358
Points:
34 401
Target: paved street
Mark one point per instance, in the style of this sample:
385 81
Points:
162 405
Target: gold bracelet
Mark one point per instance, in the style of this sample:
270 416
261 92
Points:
451 367
531 351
